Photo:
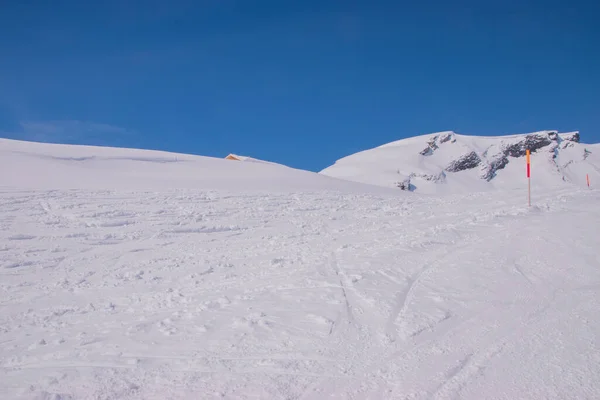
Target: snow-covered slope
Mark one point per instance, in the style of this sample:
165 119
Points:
53 166
128 274
448 162
250 159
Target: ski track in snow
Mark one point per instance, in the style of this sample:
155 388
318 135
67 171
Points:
207 294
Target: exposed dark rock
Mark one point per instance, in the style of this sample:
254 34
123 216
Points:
438 178
434 142
448 136
431 146
488 171
550 141
554 150
426 152
403 185
571 137
566 144
532 142
586 153
467 161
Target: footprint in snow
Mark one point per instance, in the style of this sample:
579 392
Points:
53 396
21 237
320 319
19 264
166 327
252 321
218 303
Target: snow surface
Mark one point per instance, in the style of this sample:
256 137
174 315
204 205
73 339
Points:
563 164
129 274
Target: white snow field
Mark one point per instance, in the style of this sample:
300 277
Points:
129 274
447 162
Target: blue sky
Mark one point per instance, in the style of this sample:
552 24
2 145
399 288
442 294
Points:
298 82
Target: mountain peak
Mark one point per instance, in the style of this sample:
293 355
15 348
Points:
449 161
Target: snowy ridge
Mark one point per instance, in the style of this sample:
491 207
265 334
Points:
129 274
252 159
449 162
55 166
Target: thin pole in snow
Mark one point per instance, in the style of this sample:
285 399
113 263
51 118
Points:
528 157
587 178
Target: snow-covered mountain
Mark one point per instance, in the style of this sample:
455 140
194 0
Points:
450 162
131 274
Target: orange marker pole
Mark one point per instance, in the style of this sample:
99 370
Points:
587 178
528 156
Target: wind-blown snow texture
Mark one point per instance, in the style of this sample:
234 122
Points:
131 274
447 162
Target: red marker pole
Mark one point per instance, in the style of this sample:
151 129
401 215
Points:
528 157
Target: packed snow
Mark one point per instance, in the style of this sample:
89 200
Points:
447 162
131 274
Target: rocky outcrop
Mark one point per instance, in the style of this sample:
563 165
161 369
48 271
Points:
434 143
468 161
571 137
447 136
407 183
431 146
489 165
566 144
489 169
532 142
437 178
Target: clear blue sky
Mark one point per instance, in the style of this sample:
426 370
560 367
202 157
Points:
298 82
